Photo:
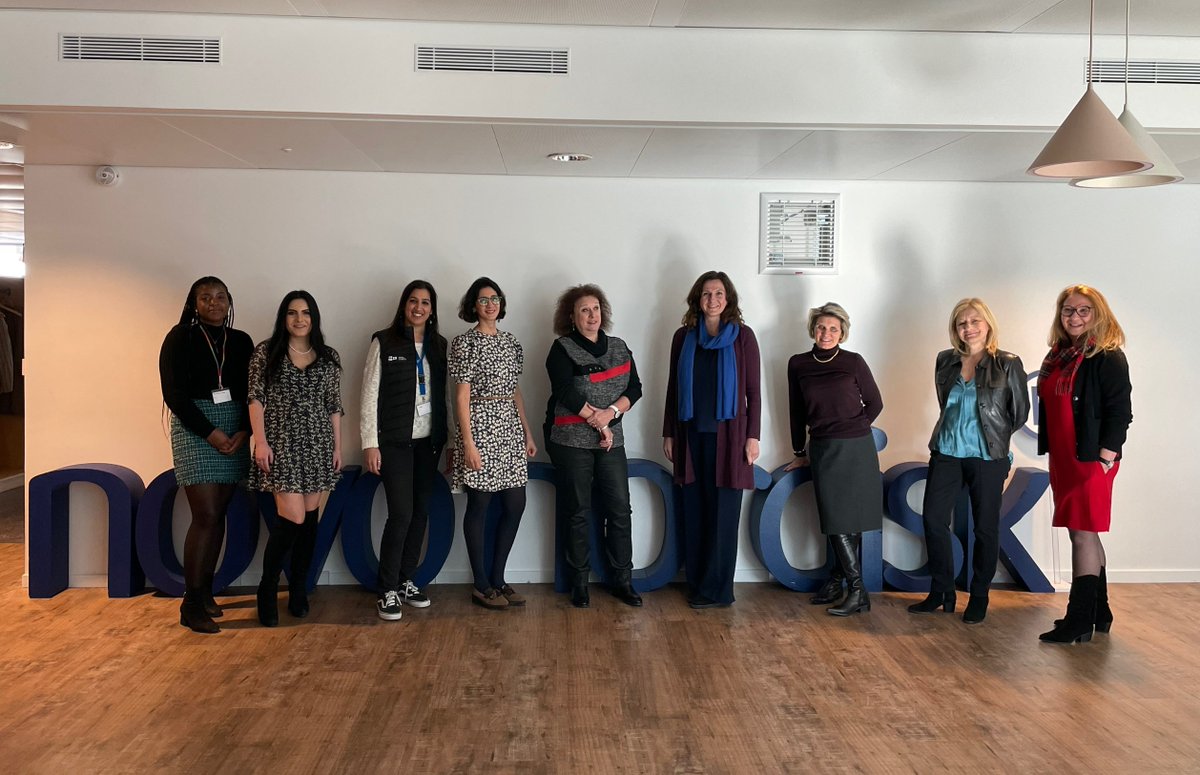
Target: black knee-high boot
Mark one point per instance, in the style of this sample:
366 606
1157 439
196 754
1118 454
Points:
1077 625
281 540
302 556
846 545
831 590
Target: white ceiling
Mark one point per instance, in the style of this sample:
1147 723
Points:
258 142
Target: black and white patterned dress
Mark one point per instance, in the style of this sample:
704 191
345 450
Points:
296 411
492 366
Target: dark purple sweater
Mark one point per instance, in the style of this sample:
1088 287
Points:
834 400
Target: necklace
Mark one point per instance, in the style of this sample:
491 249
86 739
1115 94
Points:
300 352
827 360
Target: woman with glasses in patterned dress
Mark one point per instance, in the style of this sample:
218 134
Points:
494 442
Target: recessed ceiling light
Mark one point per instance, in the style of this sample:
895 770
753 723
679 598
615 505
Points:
569 157
286 149
6 146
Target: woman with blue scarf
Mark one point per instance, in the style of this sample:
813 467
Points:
710 432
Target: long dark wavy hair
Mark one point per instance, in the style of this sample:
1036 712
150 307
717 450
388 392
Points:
435 345
278 343
732 312
189 316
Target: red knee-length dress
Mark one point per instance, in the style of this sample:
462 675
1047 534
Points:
1082 489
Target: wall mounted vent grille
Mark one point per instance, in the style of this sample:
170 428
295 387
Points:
1144 71
547 61
138 49
798 234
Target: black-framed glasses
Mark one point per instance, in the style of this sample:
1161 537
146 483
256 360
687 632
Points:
486 300
1083 312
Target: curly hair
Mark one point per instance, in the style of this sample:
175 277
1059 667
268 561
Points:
466 307
564 310
732 312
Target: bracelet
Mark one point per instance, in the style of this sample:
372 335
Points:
801 453
616 412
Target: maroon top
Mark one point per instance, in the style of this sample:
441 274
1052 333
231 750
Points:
837 399
732 468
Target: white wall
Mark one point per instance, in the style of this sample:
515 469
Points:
108 269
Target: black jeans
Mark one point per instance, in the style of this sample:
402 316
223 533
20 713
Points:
711 519
984 480
578 473
407 473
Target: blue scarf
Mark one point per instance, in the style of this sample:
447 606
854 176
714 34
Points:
726 368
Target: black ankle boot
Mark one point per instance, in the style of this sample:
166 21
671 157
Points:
193 616
846 546
211 607
302 555
943 600
625 592
1077 625
579 596
976 609
1104 615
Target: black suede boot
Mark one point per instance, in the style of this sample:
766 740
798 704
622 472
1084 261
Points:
302 556
943 600
1077 625
192 614
281 540
846 546
1104 616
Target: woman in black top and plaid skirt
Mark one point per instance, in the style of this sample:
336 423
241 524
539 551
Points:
203 367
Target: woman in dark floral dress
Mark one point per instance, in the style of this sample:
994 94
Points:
295 413
494 445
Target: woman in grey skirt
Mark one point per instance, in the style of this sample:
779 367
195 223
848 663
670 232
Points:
833 400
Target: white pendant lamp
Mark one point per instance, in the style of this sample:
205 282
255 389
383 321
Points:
1090 143
1164 170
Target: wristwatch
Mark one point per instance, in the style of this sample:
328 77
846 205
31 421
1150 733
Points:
616 411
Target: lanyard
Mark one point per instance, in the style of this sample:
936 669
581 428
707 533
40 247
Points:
421 371
220 363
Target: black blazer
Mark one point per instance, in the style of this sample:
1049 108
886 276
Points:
1101 405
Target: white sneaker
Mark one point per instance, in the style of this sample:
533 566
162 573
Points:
389 606
413 596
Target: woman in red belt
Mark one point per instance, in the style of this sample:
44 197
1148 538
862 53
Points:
1085 412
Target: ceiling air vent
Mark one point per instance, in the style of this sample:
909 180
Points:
548 61
138 49
798 234
1144 71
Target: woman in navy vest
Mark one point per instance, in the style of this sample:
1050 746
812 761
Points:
710 432
593 383
403 429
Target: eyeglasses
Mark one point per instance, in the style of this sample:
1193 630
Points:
486 300
1083 312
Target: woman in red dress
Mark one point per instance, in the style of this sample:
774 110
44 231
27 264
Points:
1085 412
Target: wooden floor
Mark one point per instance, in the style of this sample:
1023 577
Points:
92 685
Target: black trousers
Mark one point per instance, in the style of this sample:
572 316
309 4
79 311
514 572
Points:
407 473
984 480
578 473
711 520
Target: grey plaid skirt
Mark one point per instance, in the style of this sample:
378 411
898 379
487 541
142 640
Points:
196 462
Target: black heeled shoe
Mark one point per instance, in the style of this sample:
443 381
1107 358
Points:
579 597
627 595
945 601
193 616
1104 614
976 609
1079 623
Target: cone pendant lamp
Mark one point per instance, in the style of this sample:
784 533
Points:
1090 143
1164 170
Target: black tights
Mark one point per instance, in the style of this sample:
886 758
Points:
205 534
512 502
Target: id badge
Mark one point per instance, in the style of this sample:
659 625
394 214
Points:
222 396
424 409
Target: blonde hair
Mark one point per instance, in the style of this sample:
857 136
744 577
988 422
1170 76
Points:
829 310
1105 333
992 344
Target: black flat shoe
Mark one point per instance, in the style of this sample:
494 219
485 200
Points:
626 594
700 603
579 597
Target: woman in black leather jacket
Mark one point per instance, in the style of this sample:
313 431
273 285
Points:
983 401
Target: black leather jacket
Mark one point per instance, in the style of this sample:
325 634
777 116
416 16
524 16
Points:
1001 395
